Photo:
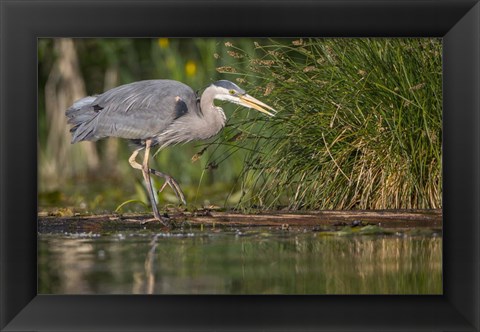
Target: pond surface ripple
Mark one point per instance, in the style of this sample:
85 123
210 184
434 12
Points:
241 261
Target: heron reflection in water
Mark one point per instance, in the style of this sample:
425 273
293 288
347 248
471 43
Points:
156 113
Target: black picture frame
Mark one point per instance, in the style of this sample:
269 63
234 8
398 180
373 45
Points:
23 21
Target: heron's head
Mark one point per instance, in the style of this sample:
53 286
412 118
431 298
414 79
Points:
228 91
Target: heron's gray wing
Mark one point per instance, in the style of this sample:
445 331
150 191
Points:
138 110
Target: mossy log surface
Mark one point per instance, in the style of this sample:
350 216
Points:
208 218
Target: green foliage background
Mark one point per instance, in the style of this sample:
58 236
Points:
359 123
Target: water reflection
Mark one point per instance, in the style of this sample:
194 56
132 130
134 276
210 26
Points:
239 263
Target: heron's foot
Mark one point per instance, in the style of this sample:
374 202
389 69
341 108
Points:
164 219
172 183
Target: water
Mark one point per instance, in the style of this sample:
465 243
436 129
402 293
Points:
253 261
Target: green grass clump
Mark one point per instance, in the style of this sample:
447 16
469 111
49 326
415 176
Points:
359 124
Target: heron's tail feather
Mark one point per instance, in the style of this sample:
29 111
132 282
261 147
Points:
82 116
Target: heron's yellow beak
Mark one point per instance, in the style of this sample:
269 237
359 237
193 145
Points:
249 101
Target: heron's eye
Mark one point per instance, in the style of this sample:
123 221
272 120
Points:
232 92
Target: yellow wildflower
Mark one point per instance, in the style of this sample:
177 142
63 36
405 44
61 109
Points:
163 42
190 68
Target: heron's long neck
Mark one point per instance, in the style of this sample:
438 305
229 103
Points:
214 117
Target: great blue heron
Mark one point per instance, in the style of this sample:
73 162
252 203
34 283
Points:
156 113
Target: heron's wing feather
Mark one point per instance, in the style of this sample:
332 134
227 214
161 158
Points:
138 110
180 108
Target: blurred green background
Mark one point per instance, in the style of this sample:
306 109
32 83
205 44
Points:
359 123
96 177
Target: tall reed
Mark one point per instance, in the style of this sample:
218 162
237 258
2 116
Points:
359 124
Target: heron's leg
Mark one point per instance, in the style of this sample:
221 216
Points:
132 160
168 179
136 165
148 180
172 183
